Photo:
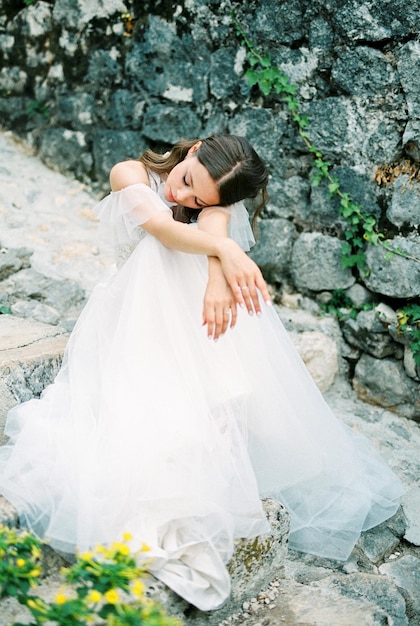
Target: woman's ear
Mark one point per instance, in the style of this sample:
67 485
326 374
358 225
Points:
194 148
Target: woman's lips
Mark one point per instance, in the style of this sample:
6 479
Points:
170 195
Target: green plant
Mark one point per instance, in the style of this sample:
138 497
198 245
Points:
342 307
28 2
103 587
35 106
409 326
360 226
5 310
20 557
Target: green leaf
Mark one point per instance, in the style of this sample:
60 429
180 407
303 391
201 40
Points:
353 260
292 104
252 77
252 60
266 60
316 179
315 151
334 186
265 85
304 121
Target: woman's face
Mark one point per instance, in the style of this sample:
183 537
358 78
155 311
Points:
189 184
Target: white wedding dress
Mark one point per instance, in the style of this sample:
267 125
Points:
152 429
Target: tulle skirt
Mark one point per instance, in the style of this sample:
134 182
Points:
151 428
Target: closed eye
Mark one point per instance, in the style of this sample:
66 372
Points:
196 201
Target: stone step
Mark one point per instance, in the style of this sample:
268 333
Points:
296 604
254 565
30 357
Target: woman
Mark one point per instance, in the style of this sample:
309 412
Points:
152 429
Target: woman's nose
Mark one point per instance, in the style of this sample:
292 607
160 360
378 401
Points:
182 194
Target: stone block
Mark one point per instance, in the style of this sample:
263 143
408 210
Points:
384 382
369 333
306 605
369 588
404 207
273 251
320 355
265 129
254 564
316 263
408 56
405 572
376 21
165 124
66 150
394 275
363 71
66 297
30 357
379 543
8 513
288 196
411 505
112 146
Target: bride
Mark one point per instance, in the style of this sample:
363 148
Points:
181 401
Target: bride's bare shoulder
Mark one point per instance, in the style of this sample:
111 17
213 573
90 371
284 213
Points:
128 173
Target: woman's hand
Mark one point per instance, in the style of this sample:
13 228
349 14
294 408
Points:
243 276
219 306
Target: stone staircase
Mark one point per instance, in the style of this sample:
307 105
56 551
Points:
378 586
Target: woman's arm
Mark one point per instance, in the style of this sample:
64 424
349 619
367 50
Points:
219 306
242 274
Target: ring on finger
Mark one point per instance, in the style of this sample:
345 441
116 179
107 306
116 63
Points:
245 288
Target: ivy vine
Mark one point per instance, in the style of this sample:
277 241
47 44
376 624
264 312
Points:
360 227
409 327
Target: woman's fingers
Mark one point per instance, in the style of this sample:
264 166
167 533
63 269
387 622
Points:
262 286
246 294
233 314
219 318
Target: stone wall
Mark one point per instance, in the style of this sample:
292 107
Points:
91 82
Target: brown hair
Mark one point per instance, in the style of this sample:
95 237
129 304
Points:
230 160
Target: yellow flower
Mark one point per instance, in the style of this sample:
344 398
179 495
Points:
60 598
127 537
117 546
86 556
94 596
20 562
112 596
35 572
145 548
100 549
36 603
31 603
124 550
36 552
138 588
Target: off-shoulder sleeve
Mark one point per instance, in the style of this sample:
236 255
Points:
239 228
122 212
